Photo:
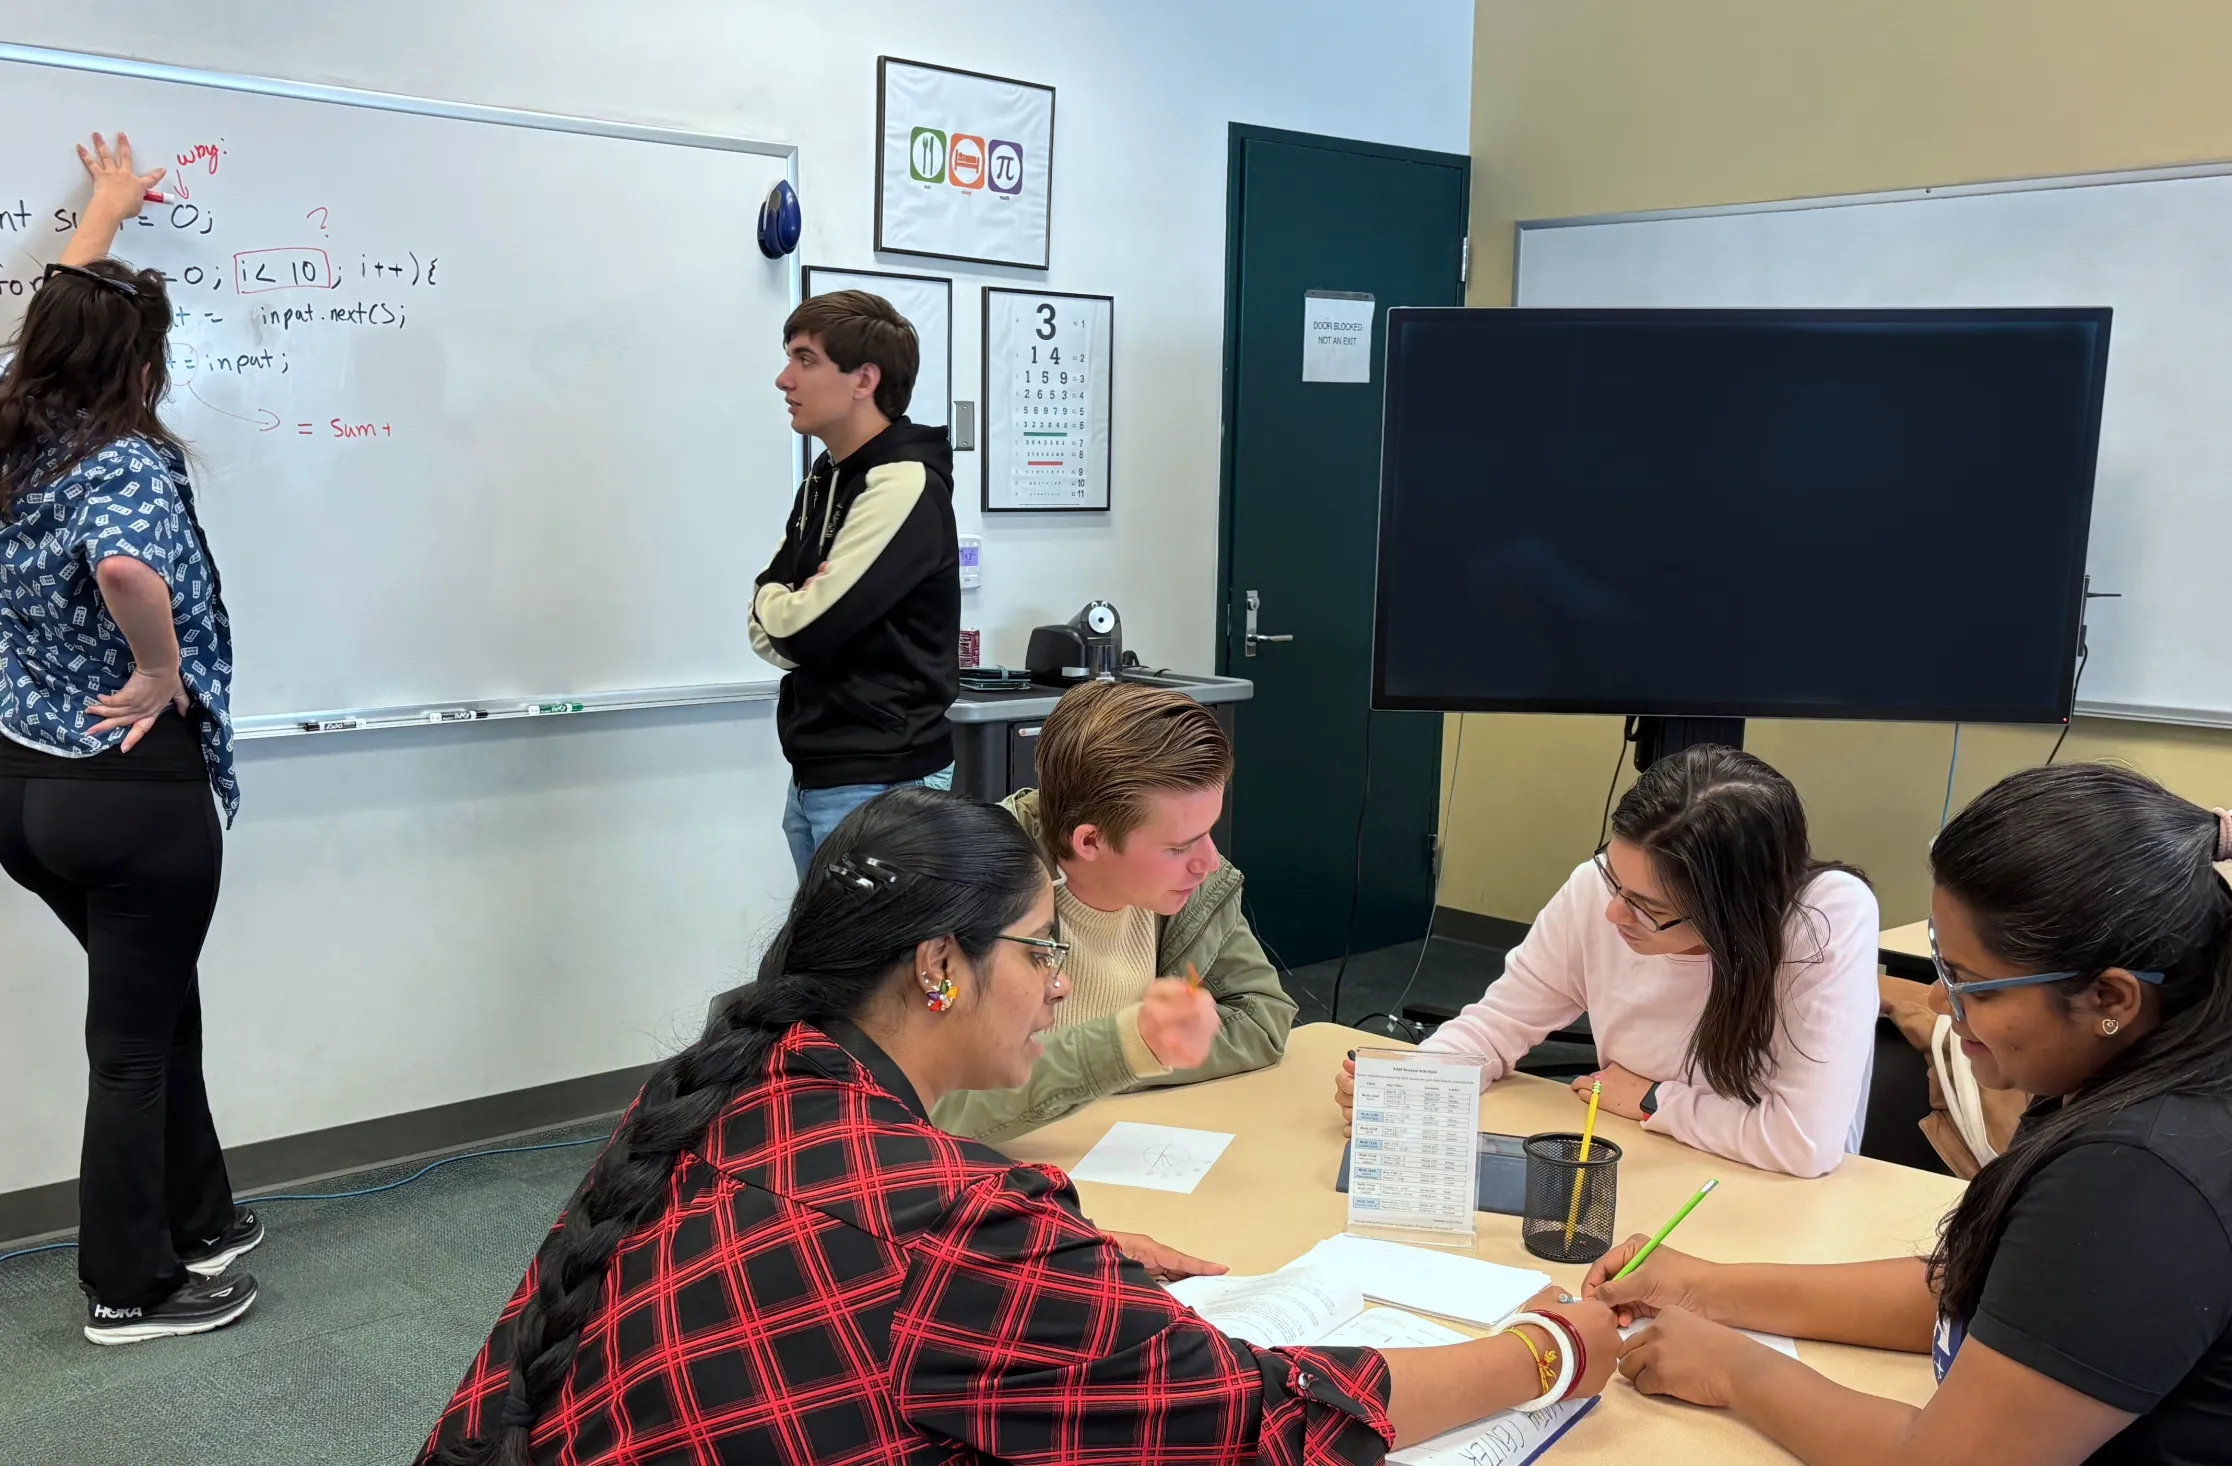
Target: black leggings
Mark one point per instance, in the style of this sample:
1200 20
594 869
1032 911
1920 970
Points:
132 869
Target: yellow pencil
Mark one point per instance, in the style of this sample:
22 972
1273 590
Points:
1588 1133
1193 977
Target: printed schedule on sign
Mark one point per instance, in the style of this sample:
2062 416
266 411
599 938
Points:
1415 1155
1046 399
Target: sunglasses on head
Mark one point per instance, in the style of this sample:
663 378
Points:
121 287
1954 989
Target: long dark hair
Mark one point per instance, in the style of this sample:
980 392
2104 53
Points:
943 866
1727 836
89 368
2080 868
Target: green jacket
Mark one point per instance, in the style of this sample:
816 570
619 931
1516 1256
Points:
1084 1062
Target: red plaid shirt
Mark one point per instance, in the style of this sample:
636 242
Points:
835 1280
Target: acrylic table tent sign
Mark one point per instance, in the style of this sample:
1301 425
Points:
1415 1159
964 165
1048 358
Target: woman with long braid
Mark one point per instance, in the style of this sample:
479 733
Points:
779 1259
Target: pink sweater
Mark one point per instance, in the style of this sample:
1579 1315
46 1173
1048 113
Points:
1643 1010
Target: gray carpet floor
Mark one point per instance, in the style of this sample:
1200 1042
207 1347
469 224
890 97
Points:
369 1311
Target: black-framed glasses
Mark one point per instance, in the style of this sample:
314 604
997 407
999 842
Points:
1612 884
1955 989
121 287
1051 954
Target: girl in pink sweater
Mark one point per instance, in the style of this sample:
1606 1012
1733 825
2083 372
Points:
1730 978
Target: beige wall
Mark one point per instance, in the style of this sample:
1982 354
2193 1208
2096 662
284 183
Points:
1602 106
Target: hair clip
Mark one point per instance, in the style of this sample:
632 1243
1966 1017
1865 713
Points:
865 874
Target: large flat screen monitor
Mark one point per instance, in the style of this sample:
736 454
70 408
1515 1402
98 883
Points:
1737 513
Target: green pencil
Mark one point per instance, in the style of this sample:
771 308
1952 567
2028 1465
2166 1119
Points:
1667 1230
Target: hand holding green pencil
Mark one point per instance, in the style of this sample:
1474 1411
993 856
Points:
1611 1280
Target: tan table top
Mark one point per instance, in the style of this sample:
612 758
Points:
1270 1198
1912 940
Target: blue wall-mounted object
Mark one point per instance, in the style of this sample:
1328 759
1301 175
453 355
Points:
779 221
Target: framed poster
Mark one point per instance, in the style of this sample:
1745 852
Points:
964 164
1047 378
927 303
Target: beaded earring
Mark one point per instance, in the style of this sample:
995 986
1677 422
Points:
940 998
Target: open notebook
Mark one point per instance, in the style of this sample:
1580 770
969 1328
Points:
1308 1303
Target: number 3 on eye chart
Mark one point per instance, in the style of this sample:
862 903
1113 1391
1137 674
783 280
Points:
1046 368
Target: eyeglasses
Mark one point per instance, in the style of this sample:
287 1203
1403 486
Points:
1954 990
1049 955
1612 884
121 287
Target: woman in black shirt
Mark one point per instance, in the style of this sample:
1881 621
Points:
2077 1303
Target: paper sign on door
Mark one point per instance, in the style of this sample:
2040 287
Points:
1336 336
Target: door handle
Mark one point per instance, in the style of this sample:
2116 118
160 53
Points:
1250 638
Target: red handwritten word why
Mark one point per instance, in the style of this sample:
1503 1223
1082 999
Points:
201 153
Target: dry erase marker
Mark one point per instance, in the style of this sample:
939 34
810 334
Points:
333 725
544 709
160 198
455 715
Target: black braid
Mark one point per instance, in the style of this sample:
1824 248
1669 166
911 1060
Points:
908 867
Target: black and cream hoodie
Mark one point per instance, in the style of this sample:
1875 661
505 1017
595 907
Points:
873 648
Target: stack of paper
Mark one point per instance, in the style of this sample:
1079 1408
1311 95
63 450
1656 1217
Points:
1446 1284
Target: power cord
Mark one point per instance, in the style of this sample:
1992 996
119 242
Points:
2084 655
1954 763
429 1169
1279 963
1449 794
1627 736
1356 881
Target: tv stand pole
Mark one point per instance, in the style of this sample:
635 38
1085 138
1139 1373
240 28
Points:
1655 738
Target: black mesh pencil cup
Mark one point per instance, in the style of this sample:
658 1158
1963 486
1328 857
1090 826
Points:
1565 1223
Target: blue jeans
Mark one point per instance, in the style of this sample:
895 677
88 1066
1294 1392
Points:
810 814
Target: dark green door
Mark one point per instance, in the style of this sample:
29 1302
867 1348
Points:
1300 522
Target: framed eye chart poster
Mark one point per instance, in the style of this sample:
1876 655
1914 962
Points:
927 303
1047 358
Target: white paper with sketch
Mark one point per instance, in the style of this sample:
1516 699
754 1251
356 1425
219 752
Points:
1158 1157
1429 1281
1300 1305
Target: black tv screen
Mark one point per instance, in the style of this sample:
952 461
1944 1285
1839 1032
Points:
1737 513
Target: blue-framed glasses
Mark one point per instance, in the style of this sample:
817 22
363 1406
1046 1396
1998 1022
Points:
1954 989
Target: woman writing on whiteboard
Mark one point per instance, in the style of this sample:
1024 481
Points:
115 663
1729 977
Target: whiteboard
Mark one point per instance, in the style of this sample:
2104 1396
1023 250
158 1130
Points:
2153 246
478 400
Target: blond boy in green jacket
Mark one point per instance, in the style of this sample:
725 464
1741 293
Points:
1131 780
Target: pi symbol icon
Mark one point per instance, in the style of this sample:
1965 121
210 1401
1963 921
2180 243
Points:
1004 166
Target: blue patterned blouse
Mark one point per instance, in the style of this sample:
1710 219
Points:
60 649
